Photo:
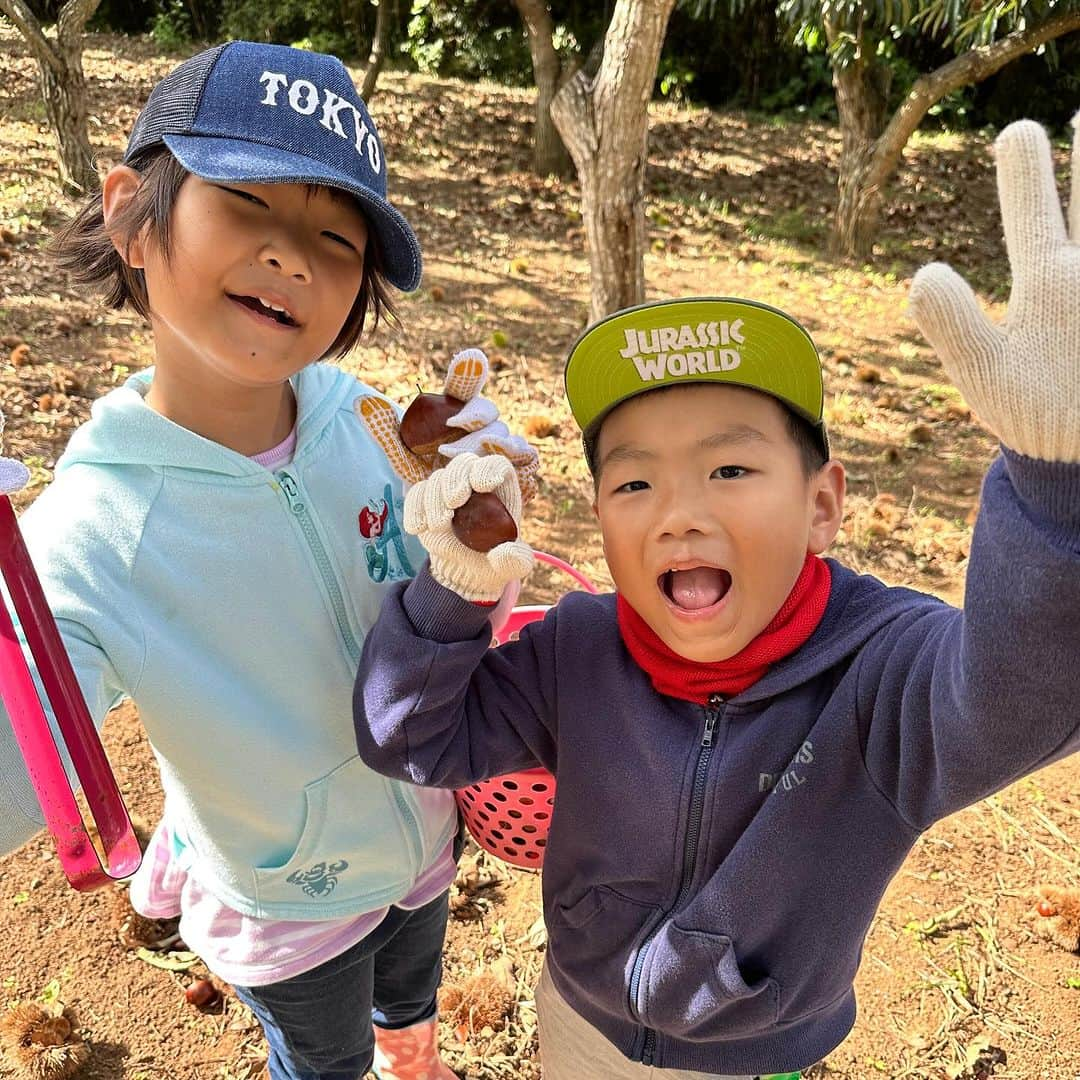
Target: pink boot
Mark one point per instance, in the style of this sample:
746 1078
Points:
410 1053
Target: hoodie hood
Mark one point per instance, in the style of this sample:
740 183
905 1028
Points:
124 430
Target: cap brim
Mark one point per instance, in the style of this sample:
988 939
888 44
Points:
219 159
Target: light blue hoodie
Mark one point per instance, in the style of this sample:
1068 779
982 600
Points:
230 602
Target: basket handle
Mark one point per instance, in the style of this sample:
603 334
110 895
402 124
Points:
566 568
78 855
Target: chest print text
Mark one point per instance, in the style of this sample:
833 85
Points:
794 776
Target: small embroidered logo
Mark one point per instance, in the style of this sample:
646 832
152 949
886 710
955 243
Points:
384 545
320 880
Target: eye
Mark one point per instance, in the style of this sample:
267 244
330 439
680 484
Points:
344 241
632 486
245 195
731 472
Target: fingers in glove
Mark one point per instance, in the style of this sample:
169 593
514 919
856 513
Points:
511 561
1030 207
477 413
430 504
946 311
467 373
423 508
530 487
382 422
495 473
526 464
514 448
460 478
508 489
492 439
527 481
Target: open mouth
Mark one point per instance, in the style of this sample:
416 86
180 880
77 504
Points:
695 589
266 309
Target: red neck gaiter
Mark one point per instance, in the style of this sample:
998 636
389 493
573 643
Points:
678 677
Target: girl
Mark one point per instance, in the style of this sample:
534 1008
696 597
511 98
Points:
201 551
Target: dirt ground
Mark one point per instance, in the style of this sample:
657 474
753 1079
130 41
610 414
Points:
738 205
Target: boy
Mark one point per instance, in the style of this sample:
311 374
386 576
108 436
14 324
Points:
749 739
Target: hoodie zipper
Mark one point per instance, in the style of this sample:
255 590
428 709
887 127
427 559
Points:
293 495
290 488
713 712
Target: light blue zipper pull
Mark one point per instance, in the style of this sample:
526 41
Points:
291 491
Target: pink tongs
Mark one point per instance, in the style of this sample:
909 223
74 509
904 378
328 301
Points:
78 854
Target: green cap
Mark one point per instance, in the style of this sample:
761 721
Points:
696 339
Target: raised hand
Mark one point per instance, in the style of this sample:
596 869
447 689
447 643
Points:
429 512
478 420
1023 377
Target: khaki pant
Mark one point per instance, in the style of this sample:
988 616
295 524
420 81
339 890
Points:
571 1049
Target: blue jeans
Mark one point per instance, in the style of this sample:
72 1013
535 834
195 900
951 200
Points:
318 1024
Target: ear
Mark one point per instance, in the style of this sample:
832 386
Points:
827 506
117 190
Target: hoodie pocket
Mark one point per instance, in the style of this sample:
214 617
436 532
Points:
354 849
593 941
692 987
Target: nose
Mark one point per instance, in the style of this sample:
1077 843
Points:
287 256
681 513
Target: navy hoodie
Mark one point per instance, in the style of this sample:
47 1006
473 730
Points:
711 872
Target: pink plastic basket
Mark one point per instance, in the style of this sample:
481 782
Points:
509 816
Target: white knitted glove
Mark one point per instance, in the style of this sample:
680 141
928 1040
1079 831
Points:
485 433
1022 378
429 510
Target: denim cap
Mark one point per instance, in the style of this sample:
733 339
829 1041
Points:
695 339
271 114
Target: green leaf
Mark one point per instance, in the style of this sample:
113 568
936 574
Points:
170 961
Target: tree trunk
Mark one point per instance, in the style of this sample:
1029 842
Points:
604 123
550 155
862 90
200 24
377 56
63 85
873 160
65 106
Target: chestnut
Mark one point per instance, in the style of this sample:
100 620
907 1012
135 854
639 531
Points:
423 426
483 522
201 993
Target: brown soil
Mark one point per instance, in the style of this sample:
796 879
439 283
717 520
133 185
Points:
737 205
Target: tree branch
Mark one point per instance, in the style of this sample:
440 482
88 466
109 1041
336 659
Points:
968 68
73 17
30 28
